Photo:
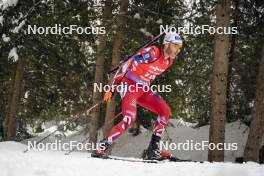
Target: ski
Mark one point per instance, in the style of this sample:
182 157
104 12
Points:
171 159
124 159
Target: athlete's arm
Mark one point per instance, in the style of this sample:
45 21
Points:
147 55
117 78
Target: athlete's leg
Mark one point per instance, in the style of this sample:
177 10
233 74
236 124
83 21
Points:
153 102
129 110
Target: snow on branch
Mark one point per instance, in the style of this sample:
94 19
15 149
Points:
13 54
4 4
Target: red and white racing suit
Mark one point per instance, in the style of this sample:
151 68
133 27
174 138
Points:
141 69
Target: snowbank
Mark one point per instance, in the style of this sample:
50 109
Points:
236 132
179 132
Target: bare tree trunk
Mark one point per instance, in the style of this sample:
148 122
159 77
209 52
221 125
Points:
99 71
116 56
10 123
9 100
219 82
257 123
230 65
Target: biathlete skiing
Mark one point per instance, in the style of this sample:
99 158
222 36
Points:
141 69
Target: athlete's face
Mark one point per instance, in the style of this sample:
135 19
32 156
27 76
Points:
171 50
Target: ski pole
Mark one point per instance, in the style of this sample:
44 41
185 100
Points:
86 112
60 127
72 150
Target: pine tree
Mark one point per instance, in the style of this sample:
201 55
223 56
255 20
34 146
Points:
219 82
116 57
99 71
256 131
14 100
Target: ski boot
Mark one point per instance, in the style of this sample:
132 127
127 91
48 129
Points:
153 151
101 152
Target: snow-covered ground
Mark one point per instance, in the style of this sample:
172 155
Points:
13 162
